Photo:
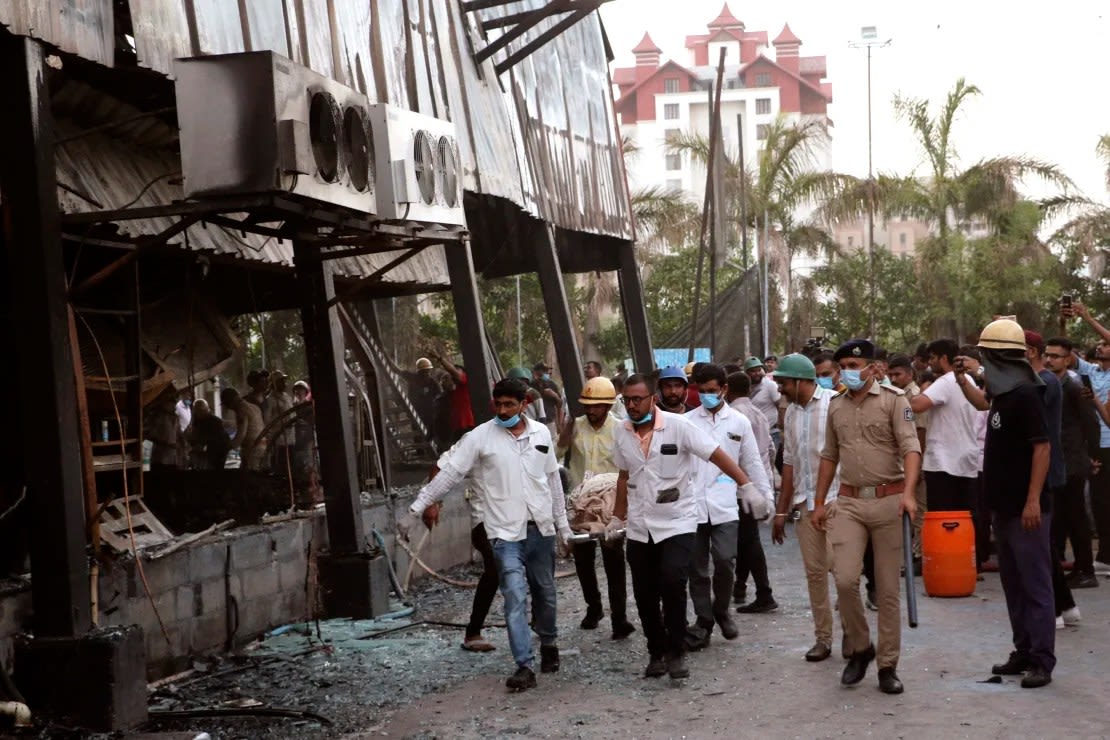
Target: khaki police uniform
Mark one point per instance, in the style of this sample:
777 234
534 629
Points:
869 438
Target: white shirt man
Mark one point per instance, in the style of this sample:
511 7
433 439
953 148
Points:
511 463
718 507
656 453
951 459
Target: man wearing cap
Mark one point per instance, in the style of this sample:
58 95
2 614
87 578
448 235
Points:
672 390
655 453
719 515
425 390
765 393
589 440
871 436
1016 461
770 363
803 439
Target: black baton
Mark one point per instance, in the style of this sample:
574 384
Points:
907 555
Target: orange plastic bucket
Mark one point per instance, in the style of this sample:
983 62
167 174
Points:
948 553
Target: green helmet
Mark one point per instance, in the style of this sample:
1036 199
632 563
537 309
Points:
752 362
519 373
798 367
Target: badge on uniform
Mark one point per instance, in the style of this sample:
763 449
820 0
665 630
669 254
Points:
735 437
908 413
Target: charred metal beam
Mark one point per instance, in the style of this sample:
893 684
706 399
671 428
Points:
472 331
632 306
48 394
559 317
583 9
469 6
531 18
144 245
323 340
376 276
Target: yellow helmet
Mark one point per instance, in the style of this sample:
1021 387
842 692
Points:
689 369
598 391
1002 334
423 364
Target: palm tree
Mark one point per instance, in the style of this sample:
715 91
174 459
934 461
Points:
784 180
1088 232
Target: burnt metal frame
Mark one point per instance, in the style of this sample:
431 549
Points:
301 221
520 23
559 318
52 469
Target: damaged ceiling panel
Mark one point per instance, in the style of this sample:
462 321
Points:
98 172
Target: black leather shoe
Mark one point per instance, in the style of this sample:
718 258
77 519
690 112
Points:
820 651
656 667
523 679
1036 678
857 666
676 666
622 628
591 620
739 597
1015 665
759 606
728 627
697 637
888 682
549 658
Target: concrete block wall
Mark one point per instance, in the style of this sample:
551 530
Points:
262 569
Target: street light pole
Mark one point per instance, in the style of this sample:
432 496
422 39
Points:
869 38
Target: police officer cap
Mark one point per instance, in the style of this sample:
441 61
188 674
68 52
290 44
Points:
855 348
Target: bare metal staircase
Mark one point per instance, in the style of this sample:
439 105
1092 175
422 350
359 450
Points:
409 436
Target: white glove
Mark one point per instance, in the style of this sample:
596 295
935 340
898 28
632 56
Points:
614 529
407 523
753 502
564 533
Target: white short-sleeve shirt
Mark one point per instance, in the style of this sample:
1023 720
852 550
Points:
951 444
716 492
666 473
509 477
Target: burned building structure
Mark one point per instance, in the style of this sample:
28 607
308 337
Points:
168 164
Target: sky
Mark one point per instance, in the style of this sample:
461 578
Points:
1039 68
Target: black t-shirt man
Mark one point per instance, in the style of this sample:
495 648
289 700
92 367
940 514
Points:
1015 422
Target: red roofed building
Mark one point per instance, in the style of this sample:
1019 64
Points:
657 97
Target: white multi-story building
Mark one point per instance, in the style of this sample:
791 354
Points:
656 99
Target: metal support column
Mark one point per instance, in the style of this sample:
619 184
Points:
472 332
632 306
47 395
323 343
559 317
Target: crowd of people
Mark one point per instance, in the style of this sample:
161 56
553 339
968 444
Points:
255 427
680 466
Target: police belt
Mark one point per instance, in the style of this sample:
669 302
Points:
886 489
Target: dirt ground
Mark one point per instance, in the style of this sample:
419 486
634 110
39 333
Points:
416 682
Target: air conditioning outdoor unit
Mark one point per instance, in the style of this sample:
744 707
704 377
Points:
256 122
419 170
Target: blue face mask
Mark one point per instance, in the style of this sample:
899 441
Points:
852 379
710 400
509 423
647 417
826 382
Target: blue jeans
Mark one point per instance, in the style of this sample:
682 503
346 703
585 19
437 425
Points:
527 565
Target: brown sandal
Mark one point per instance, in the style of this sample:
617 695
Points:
478 644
